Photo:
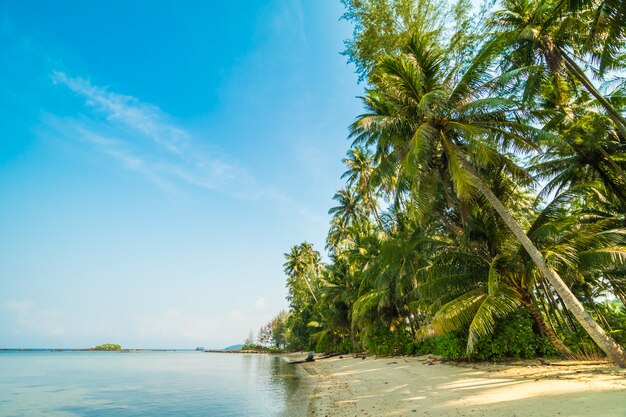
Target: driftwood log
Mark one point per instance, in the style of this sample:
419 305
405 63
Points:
309 358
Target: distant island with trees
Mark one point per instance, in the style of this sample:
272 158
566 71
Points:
107 346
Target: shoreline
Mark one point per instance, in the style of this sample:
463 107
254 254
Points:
423 386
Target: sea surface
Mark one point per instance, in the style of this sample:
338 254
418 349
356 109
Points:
55 384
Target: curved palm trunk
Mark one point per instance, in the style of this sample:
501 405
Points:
613 113
614 351
578 73
547 329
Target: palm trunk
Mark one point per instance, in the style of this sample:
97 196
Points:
306 280
550 307
578 73
375 212
614 114
547 329
614 351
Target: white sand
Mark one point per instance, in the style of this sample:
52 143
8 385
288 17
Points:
413 387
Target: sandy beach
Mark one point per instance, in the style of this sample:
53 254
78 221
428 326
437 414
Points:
423 386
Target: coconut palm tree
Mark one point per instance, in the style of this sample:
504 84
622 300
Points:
607 30
433 123
360 163
585 150
303 265
350 206
545 33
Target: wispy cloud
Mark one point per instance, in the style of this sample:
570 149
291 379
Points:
144 139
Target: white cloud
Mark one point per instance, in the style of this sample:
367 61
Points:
128 111
145 140
260 303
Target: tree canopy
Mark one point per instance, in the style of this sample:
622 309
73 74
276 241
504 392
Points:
485 186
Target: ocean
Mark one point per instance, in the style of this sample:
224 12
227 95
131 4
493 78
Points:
154 384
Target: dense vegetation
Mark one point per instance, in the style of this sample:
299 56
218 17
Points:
483 214
108 346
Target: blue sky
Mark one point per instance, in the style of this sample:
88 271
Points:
156 161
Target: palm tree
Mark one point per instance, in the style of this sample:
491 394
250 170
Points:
360 163
585 150
337 297
479 276
543 33
349 209
303 264
607 31
432 124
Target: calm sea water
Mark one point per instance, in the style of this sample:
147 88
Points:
155 384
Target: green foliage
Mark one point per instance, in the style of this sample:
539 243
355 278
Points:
324 343
460 123
383 342
299 335
514 338
614 312
280 330
581 343
108 346
450 345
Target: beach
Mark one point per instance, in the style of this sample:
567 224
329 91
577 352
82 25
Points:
424 386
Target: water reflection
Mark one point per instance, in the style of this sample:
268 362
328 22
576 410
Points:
149 383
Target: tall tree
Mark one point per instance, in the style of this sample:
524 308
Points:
544 33
431 121
360 163
303 265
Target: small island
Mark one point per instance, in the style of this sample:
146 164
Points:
107 346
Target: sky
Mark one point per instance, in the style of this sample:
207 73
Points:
157 158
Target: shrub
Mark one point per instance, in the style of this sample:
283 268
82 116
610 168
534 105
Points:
513 338
384 342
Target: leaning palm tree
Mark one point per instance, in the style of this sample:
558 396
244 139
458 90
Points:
546 34
607 31
436 126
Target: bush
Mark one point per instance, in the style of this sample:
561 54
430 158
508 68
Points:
344 346
513 338
449 346
324 343
384 342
